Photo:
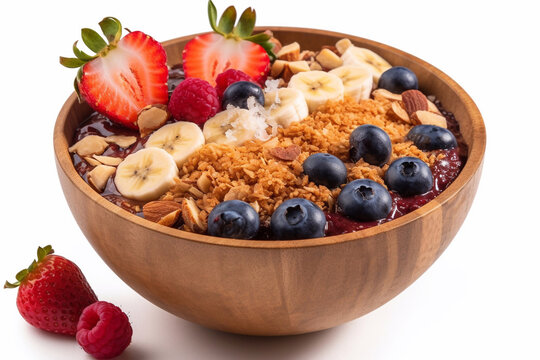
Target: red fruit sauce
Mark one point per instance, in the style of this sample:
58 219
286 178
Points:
444 172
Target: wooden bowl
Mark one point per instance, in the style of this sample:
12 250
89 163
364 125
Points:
277 287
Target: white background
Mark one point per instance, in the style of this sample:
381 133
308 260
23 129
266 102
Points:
478 301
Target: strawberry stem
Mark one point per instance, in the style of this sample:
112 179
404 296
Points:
93 40
242 30
212 16
42 252
111 28
227 20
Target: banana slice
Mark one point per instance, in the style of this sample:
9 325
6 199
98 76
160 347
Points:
286 106
360 56
146 174
318 87
357 80
180 139
231 126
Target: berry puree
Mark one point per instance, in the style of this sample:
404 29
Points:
444 172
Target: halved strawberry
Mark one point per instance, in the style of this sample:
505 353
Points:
230 47
207 56
124 76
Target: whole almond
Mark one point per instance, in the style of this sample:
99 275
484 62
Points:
413 101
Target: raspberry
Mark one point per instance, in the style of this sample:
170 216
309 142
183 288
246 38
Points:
229 77
194 100
103 330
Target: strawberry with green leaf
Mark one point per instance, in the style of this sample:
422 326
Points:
125 74
53 292
229 47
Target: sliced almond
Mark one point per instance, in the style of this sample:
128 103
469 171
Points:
204 182
331 48
298 66
182 185
331 202
343 44
400 112
91 161
191 216
151 118
328 59
277 68
255 205
123 141
433 108
386 95
287 73
90 145
413 101
315 66
273 142
108 160
293 67
273 40
195 192
425 117
290 52
240 192
170 219
307 55
99 176
157 210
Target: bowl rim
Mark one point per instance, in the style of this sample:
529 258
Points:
474 162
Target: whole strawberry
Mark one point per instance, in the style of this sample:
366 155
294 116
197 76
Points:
52 293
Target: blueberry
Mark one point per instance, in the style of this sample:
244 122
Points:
370 143
409 176
238 93
364 200
431 137
398 79
297 219
325 169
233 219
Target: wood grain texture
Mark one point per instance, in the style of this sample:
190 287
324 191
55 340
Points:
277 287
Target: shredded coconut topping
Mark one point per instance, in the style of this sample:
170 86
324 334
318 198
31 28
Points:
271 85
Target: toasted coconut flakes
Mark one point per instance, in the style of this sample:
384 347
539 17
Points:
327 130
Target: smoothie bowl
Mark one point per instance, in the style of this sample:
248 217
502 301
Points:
265 283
